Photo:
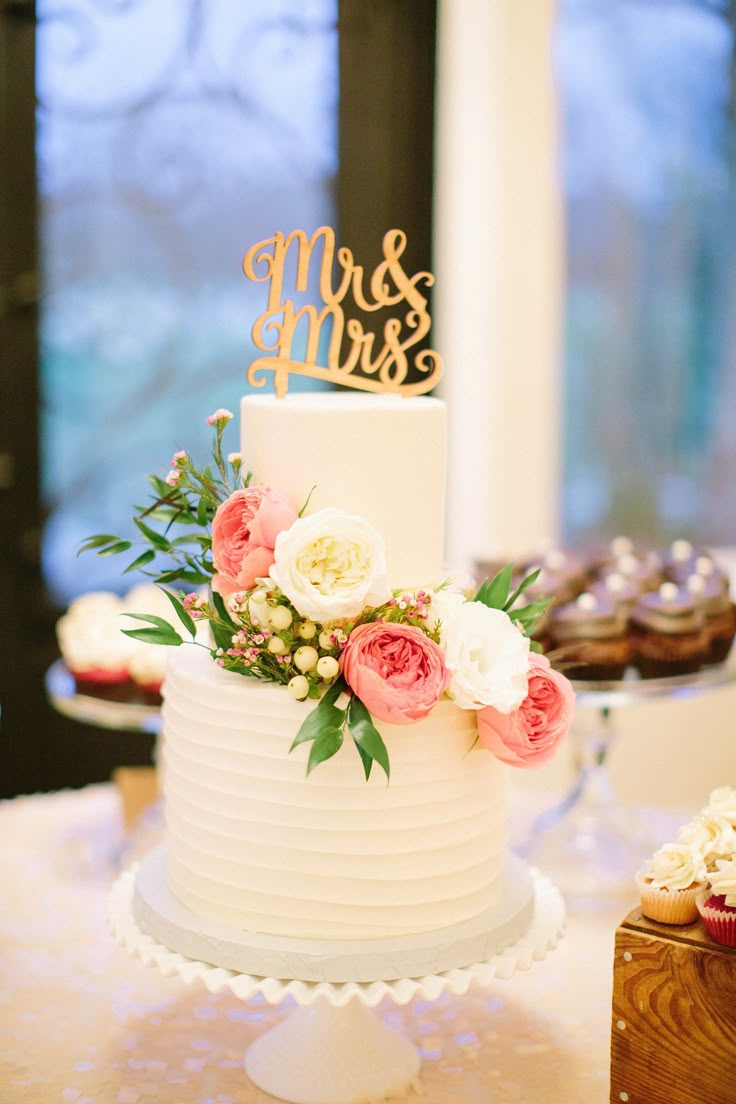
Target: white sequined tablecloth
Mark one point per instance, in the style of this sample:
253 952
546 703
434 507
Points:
81 1022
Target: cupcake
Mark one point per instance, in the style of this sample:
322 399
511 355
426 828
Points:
644 571
621 590
717 906
722 802
668 634
719 613
147 669
604 557
701 564
93 647
670 883
592 631
712 836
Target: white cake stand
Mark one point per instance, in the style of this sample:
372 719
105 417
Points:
333 1049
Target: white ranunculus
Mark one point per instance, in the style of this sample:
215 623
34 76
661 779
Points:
488 657
331 565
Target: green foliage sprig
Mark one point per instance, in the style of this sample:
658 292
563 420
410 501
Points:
496 593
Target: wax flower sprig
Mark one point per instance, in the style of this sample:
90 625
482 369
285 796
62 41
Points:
302 600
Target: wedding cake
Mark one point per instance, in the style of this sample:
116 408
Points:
335 760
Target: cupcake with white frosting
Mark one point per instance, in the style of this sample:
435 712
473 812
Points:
722 802
94 648
670 884
717 906
712 836
148 661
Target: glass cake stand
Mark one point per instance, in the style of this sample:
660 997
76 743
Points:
333 1049
591 843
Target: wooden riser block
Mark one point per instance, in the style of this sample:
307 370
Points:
673 1032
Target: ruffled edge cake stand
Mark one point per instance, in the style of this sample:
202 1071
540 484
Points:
333 1049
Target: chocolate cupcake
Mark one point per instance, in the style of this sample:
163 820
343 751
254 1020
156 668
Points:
592 631
703 565
719 613
668 635
603 557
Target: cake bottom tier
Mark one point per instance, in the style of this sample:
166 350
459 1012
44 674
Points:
162 916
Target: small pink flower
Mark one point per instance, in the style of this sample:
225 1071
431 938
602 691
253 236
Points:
396 670
234 457
172 477
244 532
530 735
178 458
220 416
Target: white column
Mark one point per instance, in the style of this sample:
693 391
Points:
499 268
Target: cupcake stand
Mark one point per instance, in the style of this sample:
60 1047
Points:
333 1049
591 843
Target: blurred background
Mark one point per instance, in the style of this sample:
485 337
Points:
566 169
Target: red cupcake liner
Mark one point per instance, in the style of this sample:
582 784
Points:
720 923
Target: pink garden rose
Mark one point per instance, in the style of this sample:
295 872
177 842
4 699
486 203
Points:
244 532
396 670
529 735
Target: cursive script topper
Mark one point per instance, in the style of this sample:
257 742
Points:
368 364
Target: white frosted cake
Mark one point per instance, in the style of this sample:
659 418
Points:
337 872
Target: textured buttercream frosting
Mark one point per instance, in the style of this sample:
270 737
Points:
255 844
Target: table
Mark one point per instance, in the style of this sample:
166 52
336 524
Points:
81 1022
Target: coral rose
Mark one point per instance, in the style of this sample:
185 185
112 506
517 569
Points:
396 670
529 735
244 532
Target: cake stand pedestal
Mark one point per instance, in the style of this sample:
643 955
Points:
333 1049
591 843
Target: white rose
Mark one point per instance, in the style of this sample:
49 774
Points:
443 603
331 565
488 657
722 802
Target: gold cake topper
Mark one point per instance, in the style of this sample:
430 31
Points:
274 331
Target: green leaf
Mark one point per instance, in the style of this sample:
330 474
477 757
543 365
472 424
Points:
152 536
366 736
527 581
181 613
98 541
535 646
495 593
527 615
367 761
114 549
322 718
155 636
141 561
202 512
327 744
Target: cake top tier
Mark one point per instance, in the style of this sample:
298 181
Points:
381 457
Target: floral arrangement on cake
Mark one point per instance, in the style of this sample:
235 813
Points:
303 600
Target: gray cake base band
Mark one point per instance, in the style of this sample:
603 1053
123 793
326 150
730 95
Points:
168 921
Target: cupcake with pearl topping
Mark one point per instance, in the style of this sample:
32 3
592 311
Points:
719 613
717 905
668 633
592 630
670 883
